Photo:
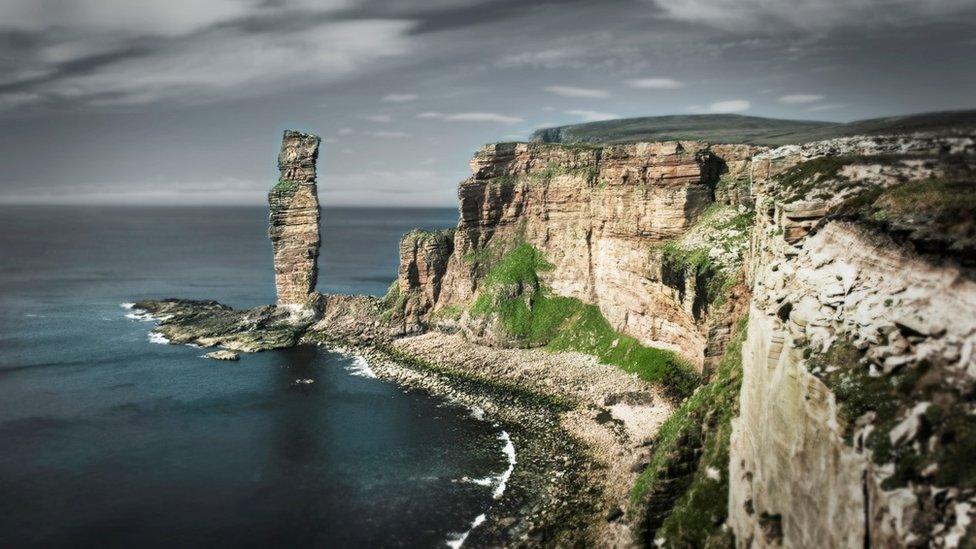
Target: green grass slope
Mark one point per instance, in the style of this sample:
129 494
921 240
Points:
529 312
734 128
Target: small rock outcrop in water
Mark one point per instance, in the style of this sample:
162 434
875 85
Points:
210 324
223 355
294 220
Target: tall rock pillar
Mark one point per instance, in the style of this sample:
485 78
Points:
294 223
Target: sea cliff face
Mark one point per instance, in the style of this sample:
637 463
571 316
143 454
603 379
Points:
600 217
852 260
857 394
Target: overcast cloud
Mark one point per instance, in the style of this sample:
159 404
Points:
179 101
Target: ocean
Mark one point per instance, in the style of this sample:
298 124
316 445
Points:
108 439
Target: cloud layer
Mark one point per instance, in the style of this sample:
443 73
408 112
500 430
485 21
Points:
655 83
156 94
122 52
572 91
471 117
778 17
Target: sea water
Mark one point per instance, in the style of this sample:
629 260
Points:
111 438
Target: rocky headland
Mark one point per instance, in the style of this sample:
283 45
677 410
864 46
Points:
692 344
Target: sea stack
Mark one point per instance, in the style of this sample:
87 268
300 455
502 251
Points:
294 220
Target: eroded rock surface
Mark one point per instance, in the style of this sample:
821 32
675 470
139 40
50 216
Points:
857 400
207 323
424 256
598 215
294 220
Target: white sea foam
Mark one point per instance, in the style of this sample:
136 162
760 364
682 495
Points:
157 337
478 413
141 316
304 381
137 314
509 450
360 367
484 481
457 540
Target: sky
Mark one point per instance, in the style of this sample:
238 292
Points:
184 102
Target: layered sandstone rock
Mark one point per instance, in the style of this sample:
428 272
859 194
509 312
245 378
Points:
423 262
599 215
294 220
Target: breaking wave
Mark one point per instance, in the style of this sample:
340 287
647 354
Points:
457 540
360 367
500 482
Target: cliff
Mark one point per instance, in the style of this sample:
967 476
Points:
602 217
840 413
856 421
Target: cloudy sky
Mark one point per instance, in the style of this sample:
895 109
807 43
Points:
181 101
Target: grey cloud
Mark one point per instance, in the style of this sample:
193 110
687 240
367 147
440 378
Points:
573 91
800 98
777 17
399 97
471 117
204 99
240 50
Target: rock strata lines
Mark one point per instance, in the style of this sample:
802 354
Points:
294 220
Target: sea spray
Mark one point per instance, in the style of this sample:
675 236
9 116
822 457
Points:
509 450
360 367
455 541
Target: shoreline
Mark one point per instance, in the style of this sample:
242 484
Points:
582 429
582 435
361 368
550 464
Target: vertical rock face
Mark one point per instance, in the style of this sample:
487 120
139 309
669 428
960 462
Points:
598 214
858 372
423 263
294 222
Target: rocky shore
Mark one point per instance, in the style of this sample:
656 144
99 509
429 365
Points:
581 429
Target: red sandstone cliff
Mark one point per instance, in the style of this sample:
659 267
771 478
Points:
598 214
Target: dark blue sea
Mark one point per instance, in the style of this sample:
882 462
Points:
110 440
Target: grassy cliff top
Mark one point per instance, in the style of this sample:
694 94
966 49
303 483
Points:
754 130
